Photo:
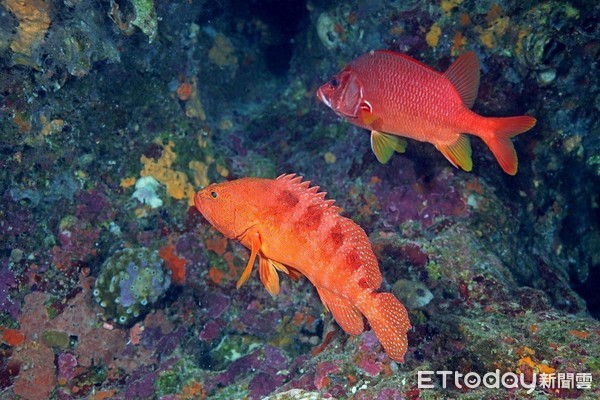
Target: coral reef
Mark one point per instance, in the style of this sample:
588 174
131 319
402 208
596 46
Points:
176 182
112 114
34 20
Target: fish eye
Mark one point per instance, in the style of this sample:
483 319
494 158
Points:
213 194
335 82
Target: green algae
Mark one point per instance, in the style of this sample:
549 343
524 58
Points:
434 270
181 374
145 17
54 338
169 382
231 348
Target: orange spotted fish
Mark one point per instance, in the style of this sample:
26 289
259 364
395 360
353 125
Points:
394 95
291 228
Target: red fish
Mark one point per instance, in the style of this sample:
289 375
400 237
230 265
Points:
394 95
291 228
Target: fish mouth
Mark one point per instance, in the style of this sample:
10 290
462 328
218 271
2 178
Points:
323 98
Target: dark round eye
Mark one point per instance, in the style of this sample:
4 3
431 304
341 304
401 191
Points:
335 82
213 194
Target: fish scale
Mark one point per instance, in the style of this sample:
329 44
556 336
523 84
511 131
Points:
395 96
291 228
320 236
418 97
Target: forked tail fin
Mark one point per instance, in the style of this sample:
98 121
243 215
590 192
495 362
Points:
389 320
498 139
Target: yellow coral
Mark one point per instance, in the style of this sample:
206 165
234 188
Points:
489 36
34 21
225 125
449 5
127 182
176 182
458 44
221 170
193 105
498 25
200 171
523 32
433 36
51 127
527 355
329 157
487 39
538 368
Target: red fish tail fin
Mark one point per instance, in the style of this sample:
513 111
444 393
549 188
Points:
498 139
389 320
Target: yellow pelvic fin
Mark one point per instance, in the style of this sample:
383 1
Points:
385 144
458 153
256 244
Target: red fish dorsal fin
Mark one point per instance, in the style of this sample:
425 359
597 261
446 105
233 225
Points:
464 75
406 57
294 183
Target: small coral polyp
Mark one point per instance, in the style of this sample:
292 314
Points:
130 283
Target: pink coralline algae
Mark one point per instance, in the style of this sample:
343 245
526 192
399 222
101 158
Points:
269 362
261 323
94 206
370 358
408 197
322 372
264 383
384 394
370 366
211 330
8 283
369 342
66 368
95 344
140 384
217 305
77 244
37 378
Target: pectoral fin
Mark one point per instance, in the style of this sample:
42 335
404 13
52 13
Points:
458 153
384 145
255 243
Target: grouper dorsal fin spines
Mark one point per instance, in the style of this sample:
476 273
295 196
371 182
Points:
294 183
